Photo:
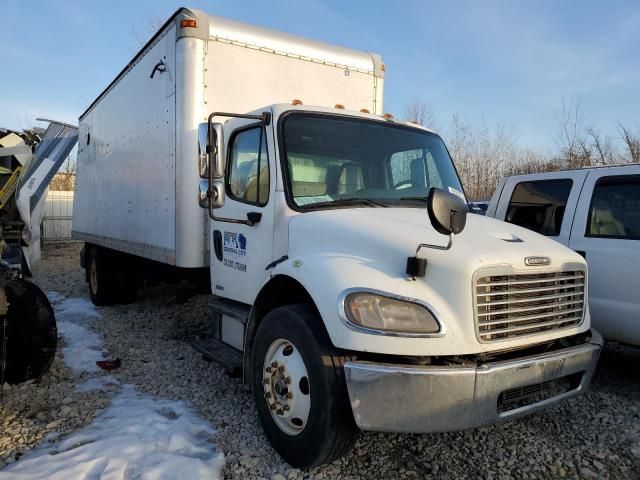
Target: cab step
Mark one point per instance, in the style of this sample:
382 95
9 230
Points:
229 322
216 351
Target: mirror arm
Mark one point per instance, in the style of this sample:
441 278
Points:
436 247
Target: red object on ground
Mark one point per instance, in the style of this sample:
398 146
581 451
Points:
109 364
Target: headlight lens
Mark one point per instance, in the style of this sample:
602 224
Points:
389 314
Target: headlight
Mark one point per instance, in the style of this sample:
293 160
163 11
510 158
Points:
378 312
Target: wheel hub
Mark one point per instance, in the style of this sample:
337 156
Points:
286 387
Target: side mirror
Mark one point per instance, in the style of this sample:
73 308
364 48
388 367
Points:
215 149
447 212
211 165
203 154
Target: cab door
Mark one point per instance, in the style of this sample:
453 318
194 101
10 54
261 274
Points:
606 230
241 252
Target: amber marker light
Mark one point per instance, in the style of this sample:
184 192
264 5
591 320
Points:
188 24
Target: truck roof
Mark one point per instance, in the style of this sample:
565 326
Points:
231 31
279 108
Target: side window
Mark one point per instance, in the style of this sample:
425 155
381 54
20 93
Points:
615 208
414 168
248 167
539 205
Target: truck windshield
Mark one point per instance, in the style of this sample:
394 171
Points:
340 161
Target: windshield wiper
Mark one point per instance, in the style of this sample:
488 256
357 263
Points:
415 199
346 201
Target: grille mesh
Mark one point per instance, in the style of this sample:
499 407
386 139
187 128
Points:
516 305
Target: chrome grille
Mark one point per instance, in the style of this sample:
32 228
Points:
516 305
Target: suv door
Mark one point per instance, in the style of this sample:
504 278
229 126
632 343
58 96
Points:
606 230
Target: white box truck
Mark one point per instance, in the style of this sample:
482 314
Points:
345 273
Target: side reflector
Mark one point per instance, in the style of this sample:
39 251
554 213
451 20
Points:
338 105
295 101
188 24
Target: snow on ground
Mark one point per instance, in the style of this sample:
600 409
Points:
137 436
83 347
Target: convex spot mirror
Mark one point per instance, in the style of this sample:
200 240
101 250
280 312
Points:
447 212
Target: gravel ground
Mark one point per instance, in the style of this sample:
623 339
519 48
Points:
596 435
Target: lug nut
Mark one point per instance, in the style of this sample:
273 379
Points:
279 411
272 406
268 369
274 364
289 395
287 380
281 368
286 408
267 394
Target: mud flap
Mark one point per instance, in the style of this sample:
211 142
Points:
28 333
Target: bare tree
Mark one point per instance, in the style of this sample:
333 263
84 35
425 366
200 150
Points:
572 139
420 112
631 143
140 38
604 151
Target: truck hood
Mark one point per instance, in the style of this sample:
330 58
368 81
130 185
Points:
336 251
387 236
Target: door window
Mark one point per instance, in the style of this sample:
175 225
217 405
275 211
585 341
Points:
615 208
540 205
248 167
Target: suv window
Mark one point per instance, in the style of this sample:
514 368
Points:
615 208
248 167
539 205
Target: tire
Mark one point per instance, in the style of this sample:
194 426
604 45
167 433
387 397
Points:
28 334
290 335
109 282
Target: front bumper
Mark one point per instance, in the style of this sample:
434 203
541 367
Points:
420 399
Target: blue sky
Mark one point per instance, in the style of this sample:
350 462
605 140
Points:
493 62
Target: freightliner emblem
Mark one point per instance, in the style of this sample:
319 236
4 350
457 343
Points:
537 261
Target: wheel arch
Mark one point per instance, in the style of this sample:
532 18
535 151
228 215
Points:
280 290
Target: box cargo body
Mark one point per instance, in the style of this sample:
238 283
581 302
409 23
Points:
137 154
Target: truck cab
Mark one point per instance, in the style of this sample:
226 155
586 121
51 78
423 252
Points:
318 218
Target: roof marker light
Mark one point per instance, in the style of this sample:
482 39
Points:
188 24
388 116
295 101
364 110
339 106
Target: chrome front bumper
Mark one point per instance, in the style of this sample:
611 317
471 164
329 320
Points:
420 399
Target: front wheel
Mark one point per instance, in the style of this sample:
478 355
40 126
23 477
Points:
299 388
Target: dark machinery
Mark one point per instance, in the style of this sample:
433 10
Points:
28 334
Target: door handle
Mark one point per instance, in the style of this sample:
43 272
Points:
253 218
